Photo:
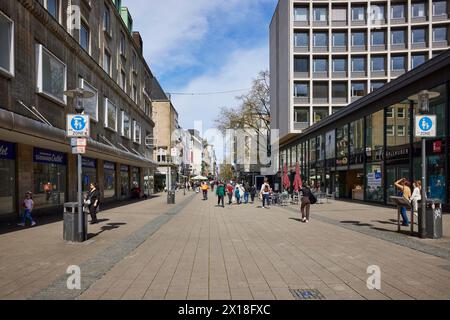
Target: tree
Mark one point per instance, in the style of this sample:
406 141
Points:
226 172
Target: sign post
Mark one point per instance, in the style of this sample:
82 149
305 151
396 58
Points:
425 127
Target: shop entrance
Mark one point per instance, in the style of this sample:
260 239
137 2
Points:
393 174
355 184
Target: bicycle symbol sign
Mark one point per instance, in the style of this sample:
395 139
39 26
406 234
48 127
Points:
78 126
425 126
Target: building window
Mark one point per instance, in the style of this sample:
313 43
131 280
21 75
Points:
110 115
126 125
134 62
398 36
358 64
320 39
137 132
320 114
417 60
320 90
7 45
51 76
378 63
440 34
358 13
301 90
378 38
301 14
418 10
122 44
398 63
320 14
106 19
301 65
91 104
390 113
123 80
85 36
301 115
320 65
378 12
340 65
301 39
375 85
401 131
418 35
107 62
390 130
358 89
358 38
135 94
339 90
401 114
52 7
339 39
398 11
439 8
339 14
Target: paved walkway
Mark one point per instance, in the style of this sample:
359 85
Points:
198 251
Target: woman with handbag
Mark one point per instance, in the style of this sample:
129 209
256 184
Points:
92 202
308 198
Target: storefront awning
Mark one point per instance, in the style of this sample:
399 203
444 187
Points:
20 129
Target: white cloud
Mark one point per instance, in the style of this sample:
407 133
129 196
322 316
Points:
237 73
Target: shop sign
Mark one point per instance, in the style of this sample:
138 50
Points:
78 126
7 151
425 126
48 156
109 166
78 150
437 146
89 163
374 180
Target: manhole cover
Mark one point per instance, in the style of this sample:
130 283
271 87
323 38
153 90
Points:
307 294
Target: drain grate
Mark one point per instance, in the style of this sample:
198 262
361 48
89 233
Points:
307 294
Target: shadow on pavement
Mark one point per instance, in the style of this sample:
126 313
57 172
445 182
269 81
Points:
45 219
296 219
108 227
357 223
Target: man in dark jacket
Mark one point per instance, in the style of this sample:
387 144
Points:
306 203
220 191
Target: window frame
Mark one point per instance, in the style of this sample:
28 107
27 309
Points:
135 140
434 34
40 48
353 64
11 71
326 40
106 51
301 8
433 8
320 59
392 36
424 9
363 13
392 63
122 128
86 24
58 9
106 23
334 42
107 103
82 85
424 36
364 36
392 11
388 133
373 59
320 10
300 84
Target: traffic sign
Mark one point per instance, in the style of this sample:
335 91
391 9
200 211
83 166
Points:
78 150
425 126
78 142
78 126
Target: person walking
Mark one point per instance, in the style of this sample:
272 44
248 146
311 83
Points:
230 191
220 192
308 198
253 193
416 197
405 191
28 206
246 192
265 194
205 188
237 193
92 202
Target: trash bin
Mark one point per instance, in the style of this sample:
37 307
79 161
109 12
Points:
433 218
171 197
75 227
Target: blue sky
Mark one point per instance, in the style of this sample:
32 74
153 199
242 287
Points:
204 46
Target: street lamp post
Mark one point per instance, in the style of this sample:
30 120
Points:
423 99
79 95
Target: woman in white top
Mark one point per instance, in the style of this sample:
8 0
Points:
416 196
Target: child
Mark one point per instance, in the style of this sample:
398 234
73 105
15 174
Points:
28 205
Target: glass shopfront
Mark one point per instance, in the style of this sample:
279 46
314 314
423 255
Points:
49 178
135 177
89 173
374 190
109 182
7 177
124 181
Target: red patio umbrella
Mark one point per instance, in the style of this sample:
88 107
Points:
298 183
286 181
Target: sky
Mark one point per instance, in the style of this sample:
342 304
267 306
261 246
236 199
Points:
203 46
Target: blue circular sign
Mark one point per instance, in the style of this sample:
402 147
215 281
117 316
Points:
425 124
78 123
